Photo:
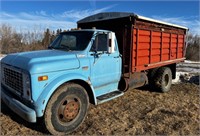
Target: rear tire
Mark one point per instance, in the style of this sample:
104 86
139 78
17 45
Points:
66 109
163 79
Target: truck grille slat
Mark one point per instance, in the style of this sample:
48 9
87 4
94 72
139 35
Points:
13 79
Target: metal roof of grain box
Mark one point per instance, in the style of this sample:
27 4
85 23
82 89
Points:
117 15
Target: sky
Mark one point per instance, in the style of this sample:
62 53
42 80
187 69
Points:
36 15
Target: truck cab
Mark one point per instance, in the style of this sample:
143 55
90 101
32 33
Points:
87 59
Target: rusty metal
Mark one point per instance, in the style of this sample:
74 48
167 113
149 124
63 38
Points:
123 83
137 79
85 68
71 110
68 109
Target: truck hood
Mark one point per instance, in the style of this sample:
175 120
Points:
43 61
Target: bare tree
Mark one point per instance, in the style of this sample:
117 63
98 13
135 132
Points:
193 47
11 41
9 38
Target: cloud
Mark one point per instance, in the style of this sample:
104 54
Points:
79 14
40 20
28 21
24 22
191 22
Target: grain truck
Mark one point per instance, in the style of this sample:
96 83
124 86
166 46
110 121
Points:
109 54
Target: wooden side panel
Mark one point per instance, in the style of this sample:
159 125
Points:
151 47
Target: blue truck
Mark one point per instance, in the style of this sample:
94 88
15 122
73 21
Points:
86 66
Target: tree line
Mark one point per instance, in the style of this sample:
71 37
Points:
12 41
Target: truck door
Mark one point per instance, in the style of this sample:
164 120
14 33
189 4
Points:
105 67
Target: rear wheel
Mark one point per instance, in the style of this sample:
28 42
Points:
66 109
163 79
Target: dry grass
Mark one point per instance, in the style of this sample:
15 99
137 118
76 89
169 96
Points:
138 112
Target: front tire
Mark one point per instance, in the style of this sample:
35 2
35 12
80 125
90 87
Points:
66 109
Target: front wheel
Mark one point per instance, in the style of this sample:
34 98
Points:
66 109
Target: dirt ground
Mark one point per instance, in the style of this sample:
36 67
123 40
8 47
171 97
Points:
138 112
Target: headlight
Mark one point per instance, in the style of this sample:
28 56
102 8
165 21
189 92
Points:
27 87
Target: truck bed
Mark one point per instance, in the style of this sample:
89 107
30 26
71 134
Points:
143 42
154 48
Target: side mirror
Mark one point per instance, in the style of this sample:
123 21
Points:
111 42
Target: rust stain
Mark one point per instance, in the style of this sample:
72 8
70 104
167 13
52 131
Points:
85 68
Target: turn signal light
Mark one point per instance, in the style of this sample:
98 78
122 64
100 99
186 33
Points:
42 78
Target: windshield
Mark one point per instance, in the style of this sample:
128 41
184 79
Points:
72 41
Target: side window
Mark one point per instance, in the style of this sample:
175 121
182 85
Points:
100 43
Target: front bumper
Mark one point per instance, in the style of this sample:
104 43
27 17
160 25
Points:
19 108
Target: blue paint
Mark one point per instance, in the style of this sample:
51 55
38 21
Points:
101 73
50 60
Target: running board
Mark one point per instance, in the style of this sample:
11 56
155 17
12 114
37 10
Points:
109 96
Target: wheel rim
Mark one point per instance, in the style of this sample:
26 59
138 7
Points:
166 79
68 109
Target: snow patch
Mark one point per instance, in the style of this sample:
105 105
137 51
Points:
187 71
189 61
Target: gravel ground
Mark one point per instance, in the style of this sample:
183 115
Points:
138 112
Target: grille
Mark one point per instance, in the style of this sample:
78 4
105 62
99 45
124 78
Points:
13 79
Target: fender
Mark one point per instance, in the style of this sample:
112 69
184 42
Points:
43 99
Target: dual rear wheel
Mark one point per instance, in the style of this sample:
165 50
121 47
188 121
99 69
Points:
160 79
